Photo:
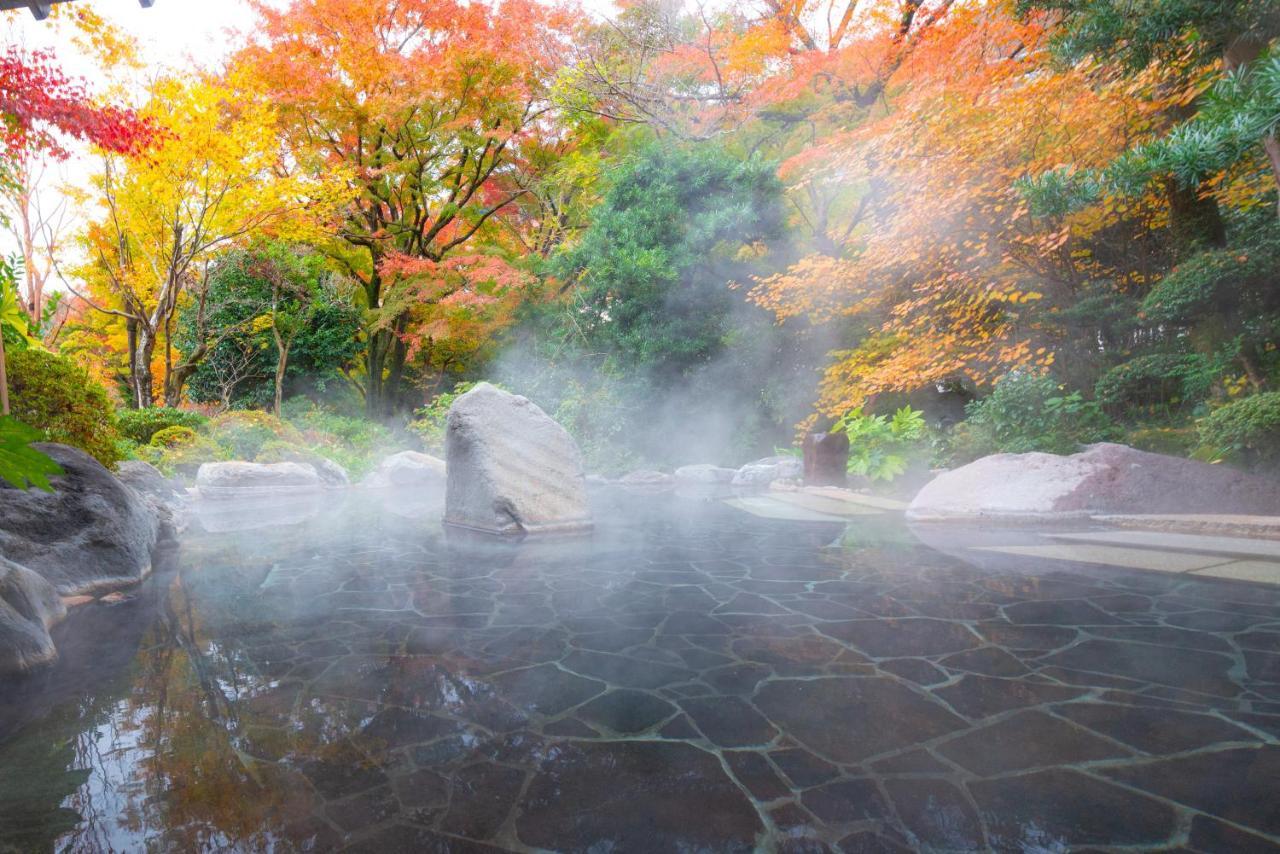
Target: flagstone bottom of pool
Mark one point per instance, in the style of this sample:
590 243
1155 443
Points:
691 677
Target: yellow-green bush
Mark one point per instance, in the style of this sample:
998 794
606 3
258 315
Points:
244 432
58 398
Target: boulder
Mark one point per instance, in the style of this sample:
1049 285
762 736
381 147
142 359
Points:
1102 479
703 475
238 479
511 468
331 474
761 473
407 470
148 480
166 497
647 479
29 605
91 532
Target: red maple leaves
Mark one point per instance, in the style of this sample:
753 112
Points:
40 106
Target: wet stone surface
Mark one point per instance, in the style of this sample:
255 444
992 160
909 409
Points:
690 678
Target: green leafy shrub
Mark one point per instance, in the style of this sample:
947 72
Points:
57 397
180 451
20 464
1156 383
1174 441
172 437
1029 412
244 432
141 424
880 447
1246 431
429 421
353 442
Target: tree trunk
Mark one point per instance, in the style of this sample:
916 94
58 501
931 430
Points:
131 333
4 380
143 396
375 361
282 361
1272 146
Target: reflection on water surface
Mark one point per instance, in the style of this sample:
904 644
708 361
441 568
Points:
690 678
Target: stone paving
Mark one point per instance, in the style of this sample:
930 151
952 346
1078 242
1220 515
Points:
693 678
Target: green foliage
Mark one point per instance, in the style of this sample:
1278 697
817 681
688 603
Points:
1174 441
239 369
1233 118
353 442
141 424
58 398
173 437
428 422
596 415
880 447
244 433
1158 383
1246 431
1029 412
1235 283
651 273
181 451
1163 30
20 464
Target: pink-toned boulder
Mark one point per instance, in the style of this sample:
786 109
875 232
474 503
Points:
1102 479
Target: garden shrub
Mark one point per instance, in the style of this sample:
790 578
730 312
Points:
1029 412
180 451
1246 431
1159 383
172 437
429 421
58 398
244 432
1174 441
880 447
141 424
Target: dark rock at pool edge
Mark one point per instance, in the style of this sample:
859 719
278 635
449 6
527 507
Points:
28 607
92 532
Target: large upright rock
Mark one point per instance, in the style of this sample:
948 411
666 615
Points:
511 468
28 607
91 532
1102 479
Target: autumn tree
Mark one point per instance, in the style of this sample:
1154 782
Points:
40 108
429 106
216 179
944 273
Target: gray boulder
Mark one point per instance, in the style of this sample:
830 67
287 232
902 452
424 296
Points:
703 475
91 532
148 480
1103 479
332 474
647 479
407 470
761 473
166 497
511 468
28 607
238 479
